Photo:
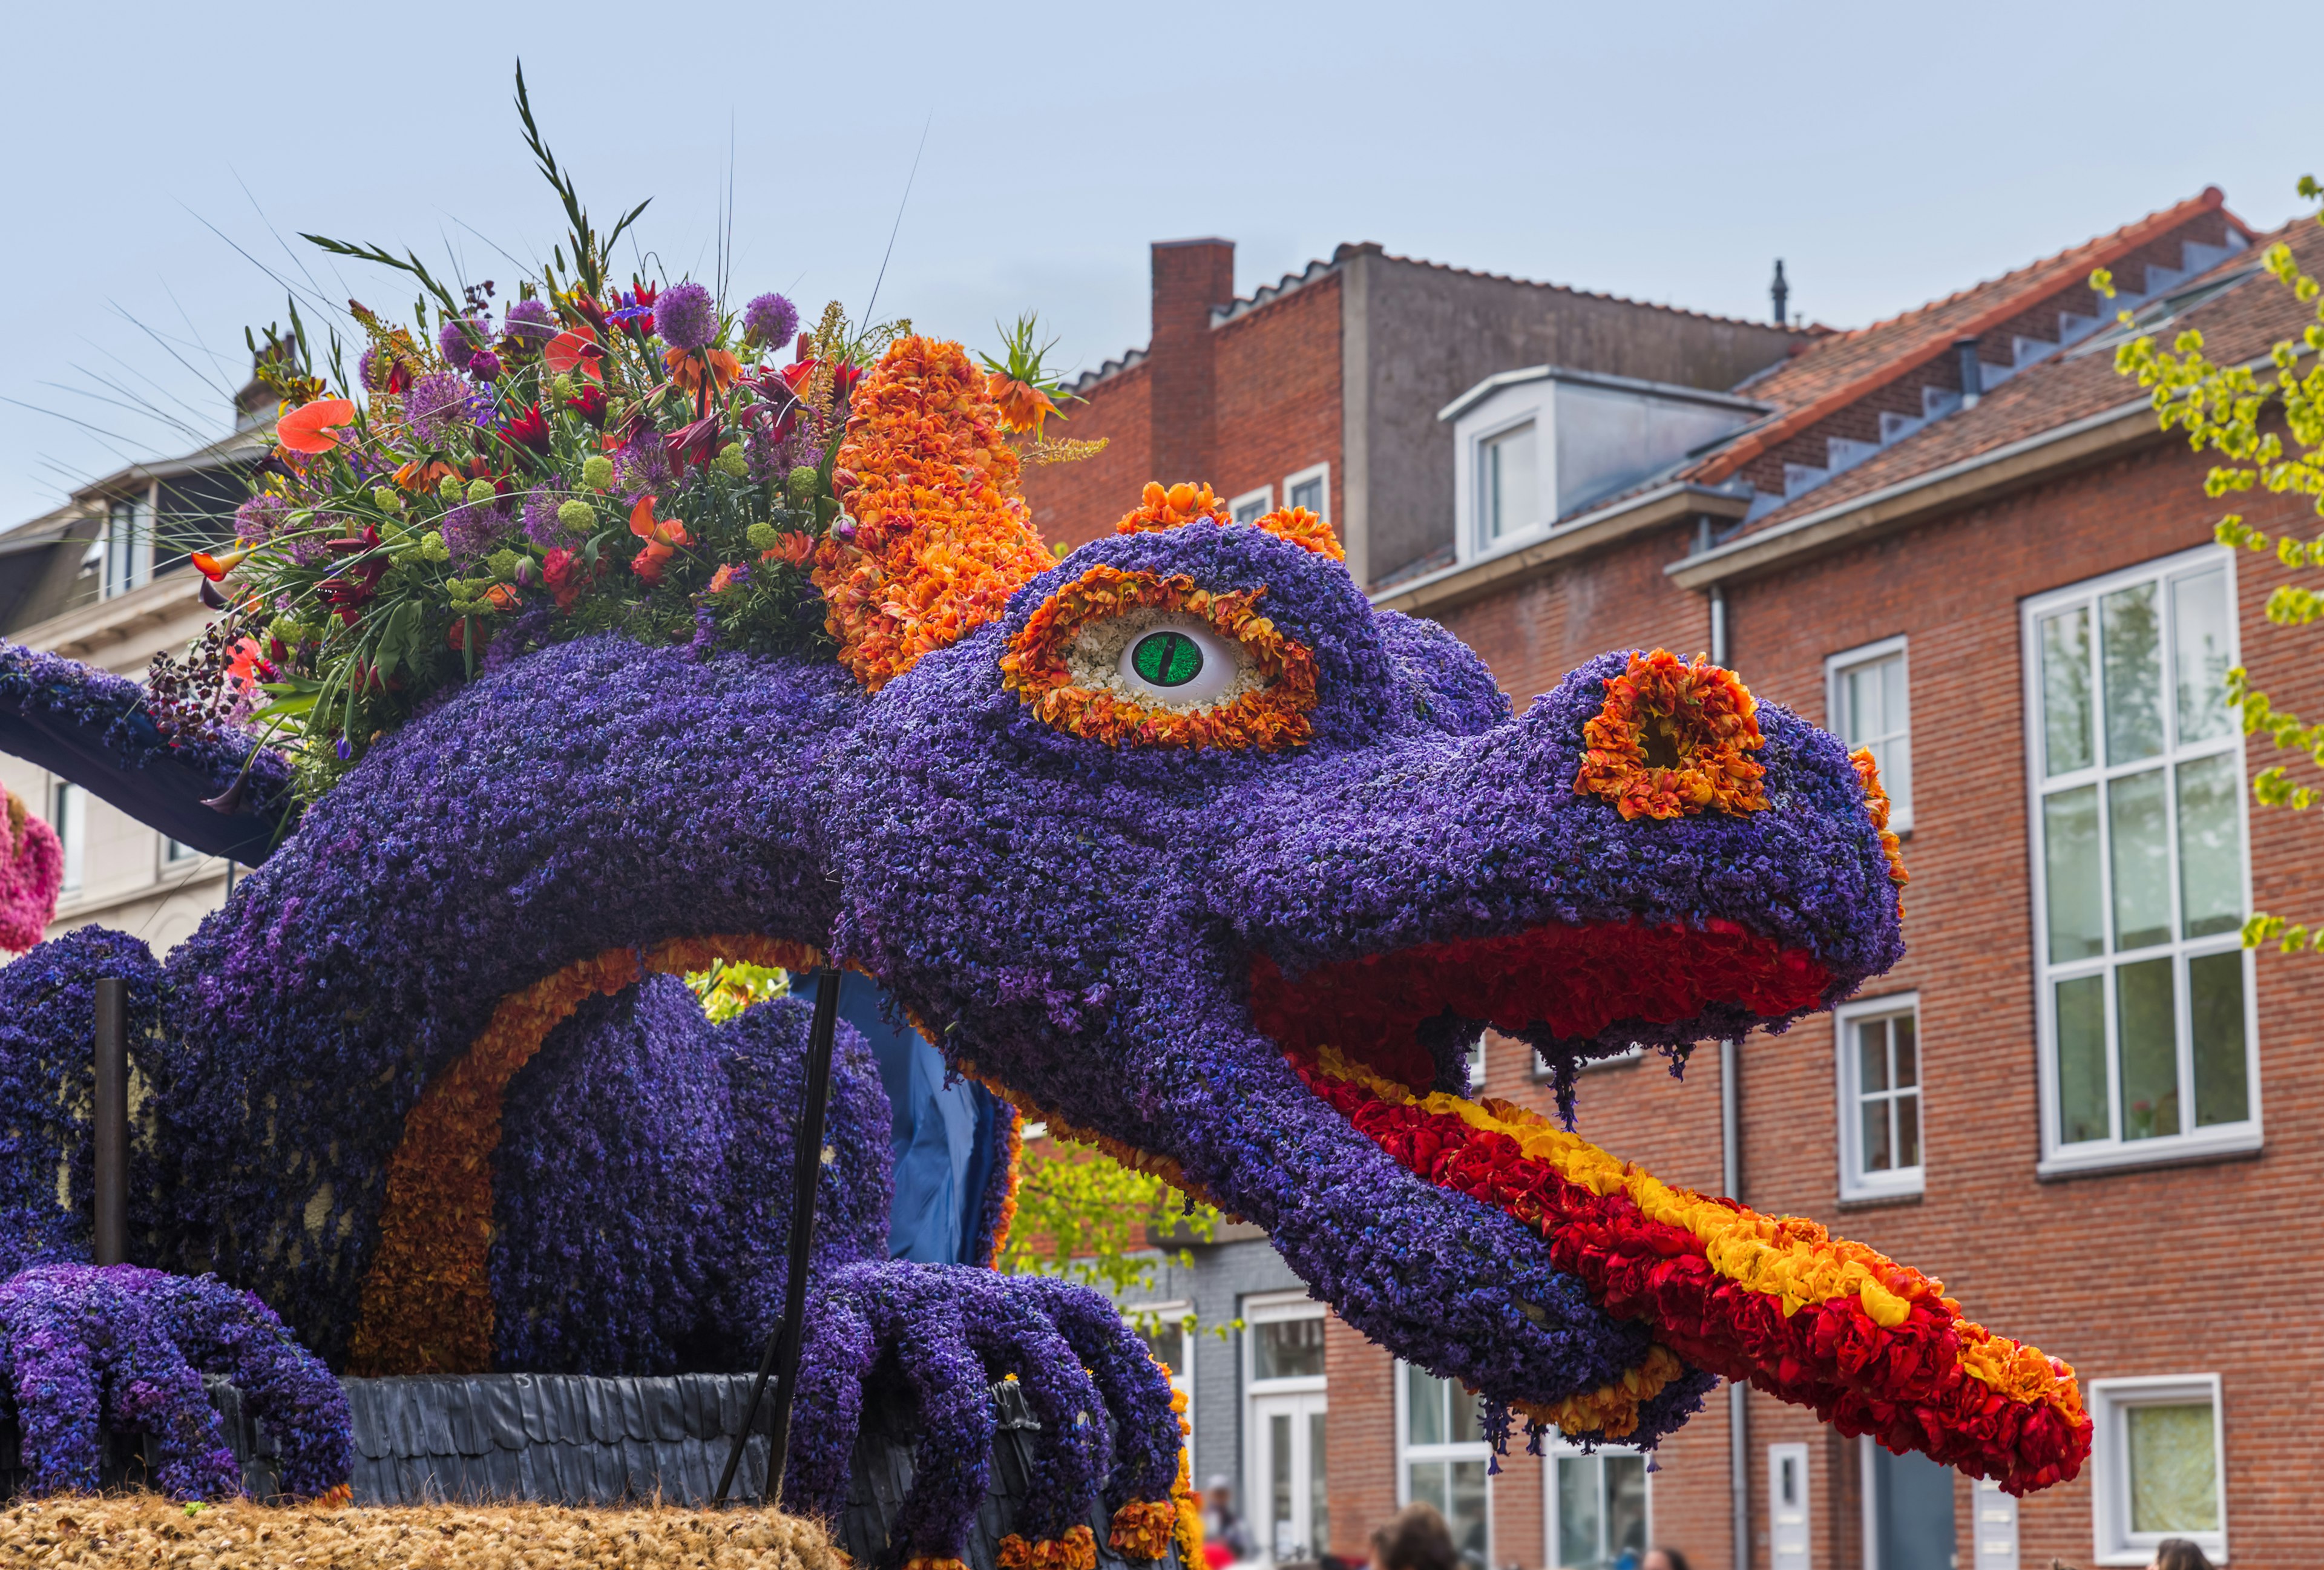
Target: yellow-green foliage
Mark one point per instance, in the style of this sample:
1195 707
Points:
142 1529
1084 1215
731 985
2234 411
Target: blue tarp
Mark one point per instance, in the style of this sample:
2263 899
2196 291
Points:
942 1136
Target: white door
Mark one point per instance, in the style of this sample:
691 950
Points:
1292 1517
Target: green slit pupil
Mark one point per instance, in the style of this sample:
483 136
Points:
1167 659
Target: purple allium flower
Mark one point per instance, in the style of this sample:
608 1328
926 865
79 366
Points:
640 466
261 518
769 320
459 340
540 504
472 530
530 322
371 370
686 316
439 405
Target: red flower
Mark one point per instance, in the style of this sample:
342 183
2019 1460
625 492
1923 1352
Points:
589 403
560 569
529 429
589 310
695 444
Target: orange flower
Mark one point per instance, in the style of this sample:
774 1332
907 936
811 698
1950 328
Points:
1076 1550
662 537
418 477
686 369
214 567
1270 717
941 537
309 426
790 545
1876 802
1183 503
1022 405
724 578
576 348
1670 739
1141 1528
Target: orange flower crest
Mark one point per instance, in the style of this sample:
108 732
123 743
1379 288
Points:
1177 505
1670 741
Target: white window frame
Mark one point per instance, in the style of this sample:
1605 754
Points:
2112 1542
1556 1446
1480 522
128 562
2116 1151
1177 1310
1319 472
1543 1074
1408 1454
69 817
1268 1309
1262 499
1855 1182
1836 666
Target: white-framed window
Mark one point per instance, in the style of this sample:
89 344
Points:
1543 1073
1167 1330
128 543
2149 1025
174 852
1310 488
1289 1508
1601 1506
69 815
1879 1068
2158 1466
1508 483
1443 1459
1252 505
1871 705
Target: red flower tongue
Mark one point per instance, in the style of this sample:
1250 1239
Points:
1578 980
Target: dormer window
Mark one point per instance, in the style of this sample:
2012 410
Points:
1508 488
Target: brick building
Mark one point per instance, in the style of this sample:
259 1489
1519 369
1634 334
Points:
1956 536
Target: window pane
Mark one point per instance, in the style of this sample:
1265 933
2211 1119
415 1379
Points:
1250 512
2210 847
1424 1401
1319 1510
1468 1415
1428 1484
2070 839
2081 1060
2215 989
1577 1510
1875 1116
1509 499
1166 1340
2066 691
1901 1031
1288 1349
1908 1130
1872 1055
2199 638
2142 861
1465 1484
1626 1507
2150 1049
2131 646
2174 1469
1308 493
1283 1534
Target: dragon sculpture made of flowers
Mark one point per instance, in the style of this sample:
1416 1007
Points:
1175 841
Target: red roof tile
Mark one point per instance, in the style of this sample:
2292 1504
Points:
1834 371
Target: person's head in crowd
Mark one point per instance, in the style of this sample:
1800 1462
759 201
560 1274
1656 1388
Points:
1218 1492
1665 1559
1417 1538
2179 1553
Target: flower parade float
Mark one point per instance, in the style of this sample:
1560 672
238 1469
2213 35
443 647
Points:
598 646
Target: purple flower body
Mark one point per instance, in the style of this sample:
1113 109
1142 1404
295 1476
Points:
530 322
261 518
686 316
439 405
484 366
768 322
540 504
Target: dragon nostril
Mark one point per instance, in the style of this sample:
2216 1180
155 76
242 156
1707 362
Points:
1661 743
1533 1311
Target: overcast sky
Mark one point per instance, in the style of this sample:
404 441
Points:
157 157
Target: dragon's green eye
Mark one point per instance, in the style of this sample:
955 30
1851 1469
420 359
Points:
1167 658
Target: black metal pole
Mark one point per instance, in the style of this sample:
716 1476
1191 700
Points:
781 1359
112 1219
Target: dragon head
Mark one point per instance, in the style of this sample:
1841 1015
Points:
1195 852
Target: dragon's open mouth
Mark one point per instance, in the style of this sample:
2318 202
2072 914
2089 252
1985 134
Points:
1572 987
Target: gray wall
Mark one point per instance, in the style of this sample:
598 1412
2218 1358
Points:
1417 336
1222 1275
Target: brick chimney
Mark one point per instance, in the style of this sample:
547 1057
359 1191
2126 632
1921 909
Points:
1190 277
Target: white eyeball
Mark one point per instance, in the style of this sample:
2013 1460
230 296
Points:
1162 660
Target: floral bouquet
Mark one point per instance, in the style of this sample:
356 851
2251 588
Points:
646 458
